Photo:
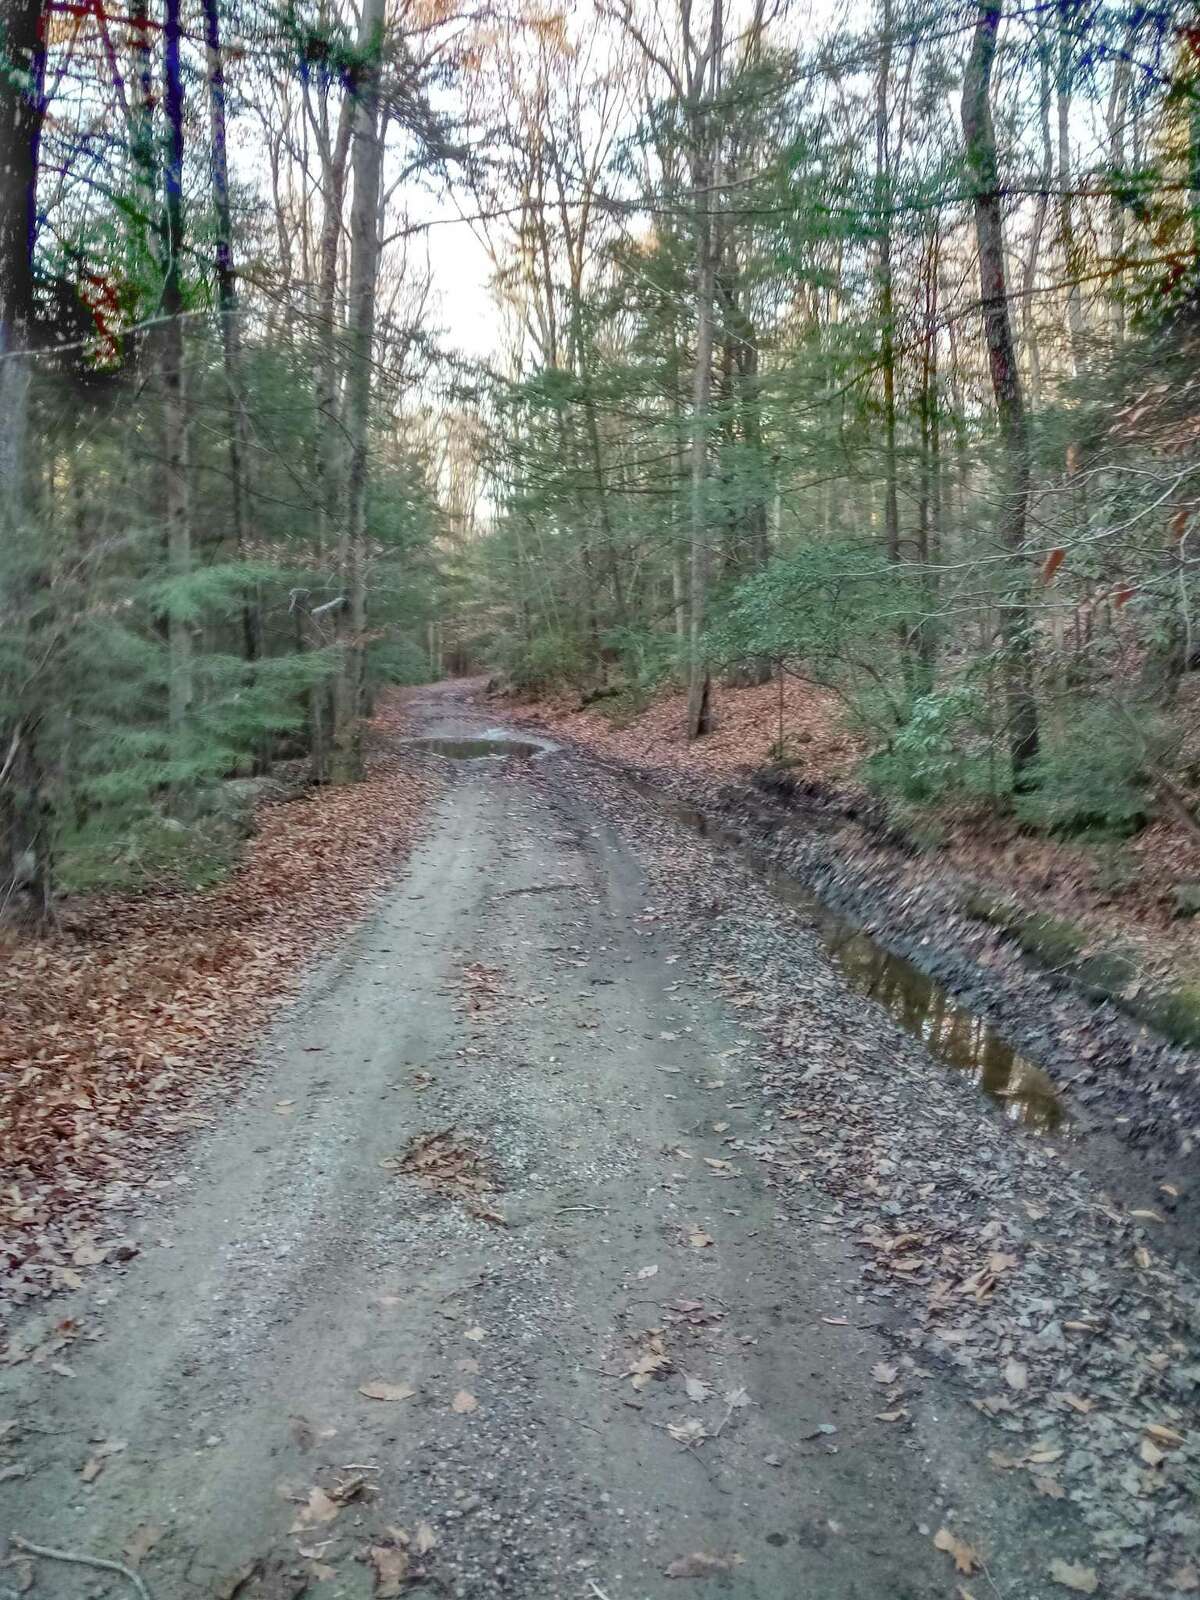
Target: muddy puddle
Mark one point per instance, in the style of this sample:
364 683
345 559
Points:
483 749
952 1035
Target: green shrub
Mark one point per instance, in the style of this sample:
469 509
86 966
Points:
929 757
548 661
1089 776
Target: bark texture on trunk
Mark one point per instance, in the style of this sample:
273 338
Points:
227 303
699 718
980 139
171 372
25 841
367 162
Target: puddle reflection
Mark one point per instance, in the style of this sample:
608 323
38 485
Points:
952 1034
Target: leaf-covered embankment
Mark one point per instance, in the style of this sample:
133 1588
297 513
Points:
117 1028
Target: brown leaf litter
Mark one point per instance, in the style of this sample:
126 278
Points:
116 1025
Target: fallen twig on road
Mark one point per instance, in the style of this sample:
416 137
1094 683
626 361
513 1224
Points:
74 1560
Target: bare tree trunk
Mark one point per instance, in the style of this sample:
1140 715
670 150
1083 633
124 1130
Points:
1118 110
171 369
887 310
1033 350
360 343
705 172
25 842
1070 245
143 157
21 114
929 498
334 166
980 139
227 301
699 718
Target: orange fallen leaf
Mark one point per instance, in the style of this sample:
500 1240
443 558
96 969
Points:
1082 1579
966 1559
377 1390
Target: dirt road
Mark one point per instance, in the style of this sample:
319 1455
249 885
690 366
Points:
625 1359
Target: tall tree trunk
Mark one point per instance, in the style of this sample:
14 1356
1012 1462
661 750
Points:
171 369
328 454
21 116
144 238
367 162
705 174
1033 350
1118 111
25 842
980 139
887 310
334 164
227 302
1068 10
699 717
929 497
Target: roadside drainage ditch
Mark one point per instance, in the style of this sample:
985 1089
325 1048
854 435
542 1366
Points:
953 1035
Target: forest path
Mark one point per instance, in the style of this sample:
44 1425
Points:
513 988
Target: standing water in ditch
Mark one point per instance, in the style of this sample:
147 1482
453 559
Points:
950 1033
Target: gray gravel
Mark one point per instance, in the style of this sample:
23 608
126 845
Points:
621 1027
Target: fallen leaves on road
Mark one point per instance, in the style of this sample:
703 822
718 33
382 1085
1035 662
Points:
688 1432
965 1556
700 1564
651 1360
377 1390
94 1465
1082 1579
444 1163
140 1542
318 1508
464 1402
391 1565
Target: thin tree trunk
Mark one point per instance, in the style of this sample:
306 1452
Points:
929 498
705 165
360 343
227 301
887 353
25 839
698 710
980 139
1070 246
174 400
1118 110
146 238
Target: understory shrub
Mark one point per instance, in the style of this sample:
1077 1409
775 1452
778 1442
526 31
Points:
1090 775
931 756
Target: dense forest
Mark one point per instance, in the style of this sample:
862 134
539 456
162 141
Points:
858 349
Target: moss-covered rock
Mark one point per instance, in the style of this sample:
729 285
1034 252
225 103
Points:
1106 975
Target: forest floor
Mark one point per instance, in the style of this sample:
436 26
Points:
578 1231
